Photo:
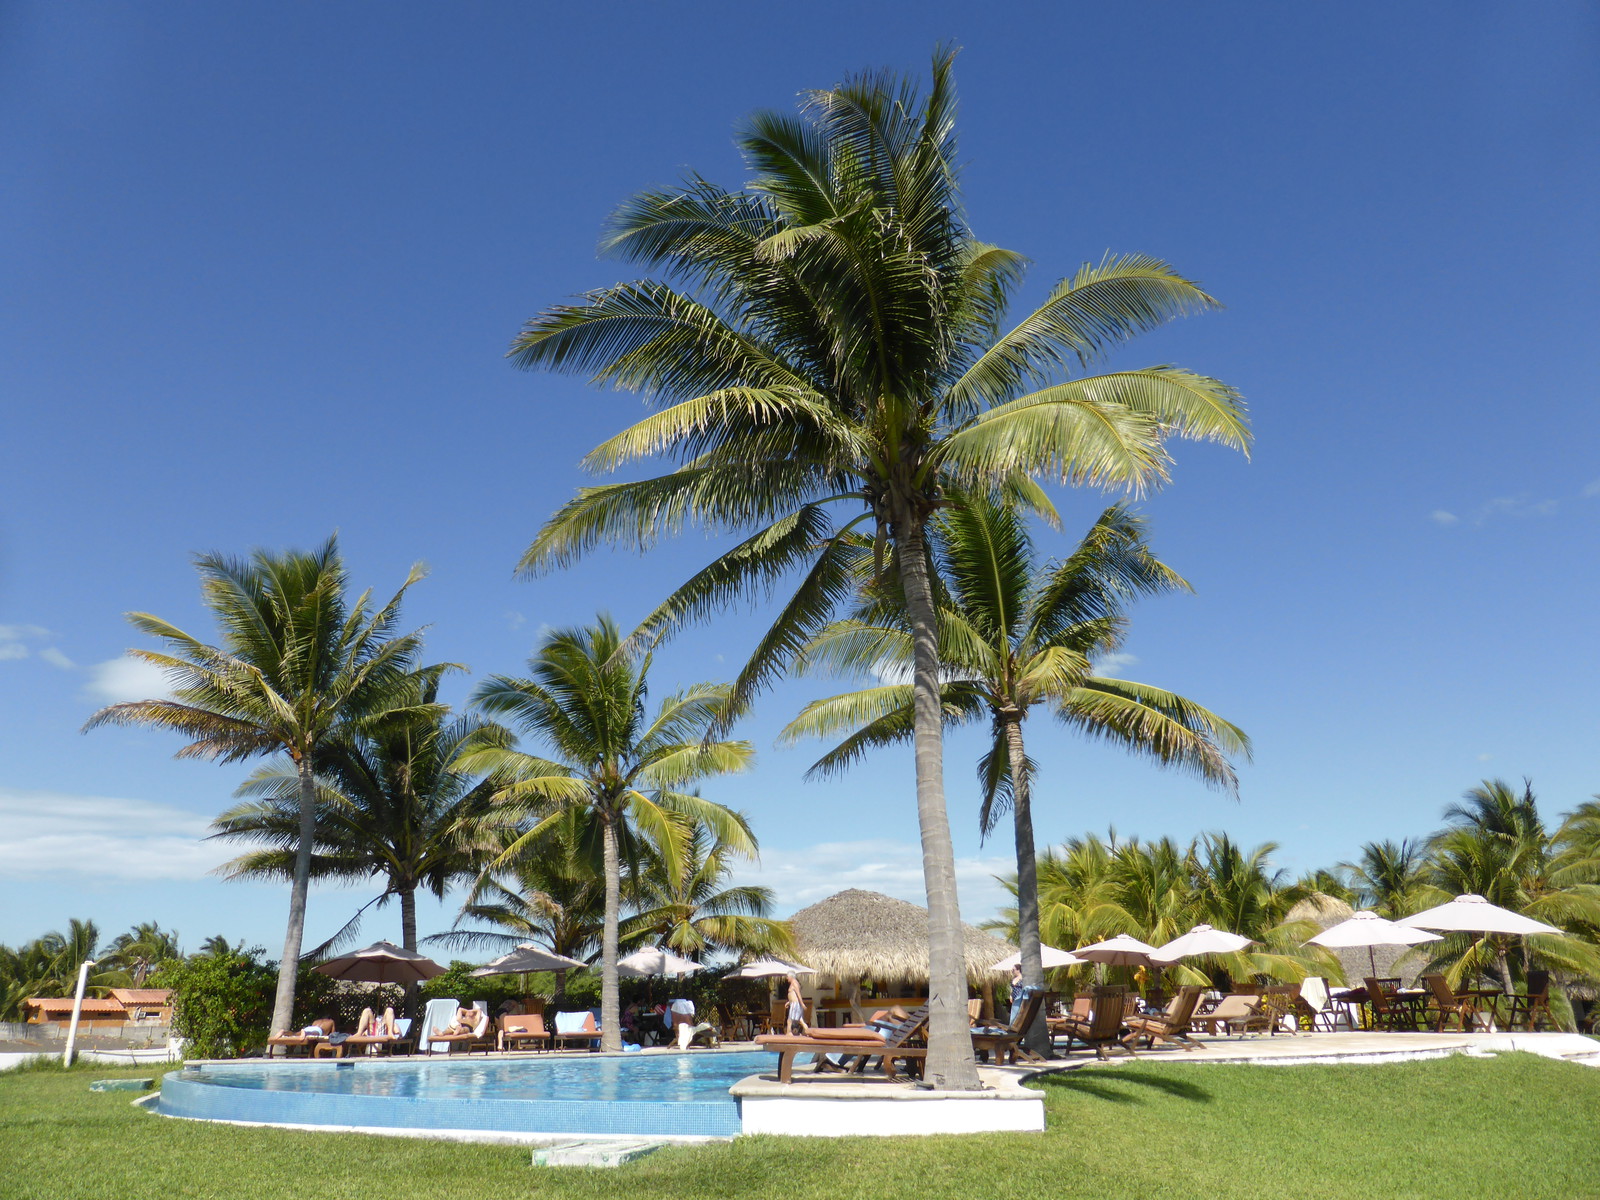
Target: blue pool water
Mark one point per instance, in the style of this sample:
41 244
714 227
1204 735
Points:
682 1094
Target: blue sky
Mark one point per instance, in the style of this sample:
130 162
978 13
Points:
261 264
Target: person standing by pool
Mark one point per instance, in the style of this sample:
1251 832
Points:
797 1009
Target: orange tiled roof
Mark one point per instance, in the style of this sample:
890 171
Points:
148 997
48 1005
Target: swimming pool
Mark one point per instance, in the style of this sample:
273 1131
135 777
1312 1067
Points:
668 1094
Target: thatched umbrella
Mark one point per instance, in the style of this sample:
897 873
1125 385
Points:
856 935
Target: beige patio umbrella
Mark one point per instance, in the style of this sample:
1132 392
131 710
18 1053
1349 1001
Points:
1474 914
1369 929
766 968
1052 957
656 960
1120 951
526 959
1202 939
381 962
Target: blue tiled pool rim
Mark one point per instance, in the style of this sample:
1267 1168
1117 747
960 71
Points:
201 1091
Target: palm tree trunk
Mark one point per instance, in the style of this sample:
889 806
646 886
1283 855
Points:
1038 1038
289 967
1503 961
408 939
950 1062
610 1009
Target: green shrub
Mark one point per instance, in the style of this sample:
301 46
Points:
223 1003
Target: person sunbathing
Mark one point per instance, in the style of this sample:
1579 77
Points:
466 1022
372 1025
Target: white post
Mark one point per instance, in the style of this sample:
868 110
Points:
77 1007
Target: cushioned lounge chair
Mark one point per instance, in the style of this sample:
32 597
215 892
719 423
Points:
1237 1013
479 1037
1172 1026
1004 1042
521 1031
577 1029
856 1045
384 1043
302 1041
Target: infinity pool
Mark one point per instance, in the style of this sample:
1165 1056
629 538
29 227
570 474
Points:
663 1094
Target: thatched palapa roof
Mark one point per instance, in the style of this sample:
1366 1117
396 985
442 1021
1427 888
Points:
1402 962
856 934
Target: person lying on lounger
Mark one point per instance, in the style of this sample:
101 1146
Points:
372 1025
466 1021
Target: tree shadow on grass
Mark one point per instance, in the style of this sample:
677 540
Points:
1112 1084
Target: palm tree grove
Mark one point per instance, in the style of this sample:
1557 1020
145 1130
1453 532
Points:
875 511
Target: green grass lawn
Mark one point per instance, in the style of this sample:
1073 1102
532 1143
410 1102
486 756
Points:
1450 1129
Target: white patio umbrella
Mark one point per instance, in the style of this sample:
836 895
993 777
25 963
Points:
765 968
1052 958
1120 951
526 959
1474 914
1202 939
381 962
653 960
1369 929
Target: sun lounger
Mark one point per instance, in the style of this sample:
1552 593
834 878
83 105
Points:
478 1037
304 1041
520 1031
384 1043
1236 1013
1102 1032
1170 1026
856 1044
577 1028
1003 1043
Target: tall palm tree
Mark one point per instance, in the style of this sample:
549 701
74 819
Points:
143 949
1389 877
1495 845
617 771
392 805
1016 634
297 660
831 350
687 903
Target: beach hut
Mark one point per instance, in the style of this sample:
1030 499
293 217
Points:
857 936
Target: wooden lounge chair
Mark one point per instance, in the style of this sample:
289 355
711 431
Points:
479 1037
303 1042
520 1031
1171 1026
1532 1009
572 1031
1102 1032
1237 1013
1003 1043
858 1044
1389 1011
1444 1004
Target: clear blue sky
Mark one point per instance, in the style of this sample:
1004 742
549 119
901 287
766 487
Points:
261 264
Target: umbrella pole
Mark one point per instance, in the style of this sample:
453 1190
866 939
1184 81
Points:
1372 960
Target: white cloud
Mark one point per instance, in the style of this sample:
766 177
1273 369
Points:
515 620
12 650
22 633
1441 517
1591 490
56 659
105 837
1517 506
118 680
803 876
1112 664
14 644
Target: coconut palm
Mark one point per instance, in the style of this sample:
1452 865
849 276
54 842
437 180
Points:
1016 634
687 903
392 805
831 348
1495 845
1389 877
143 949
618 773
297 660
